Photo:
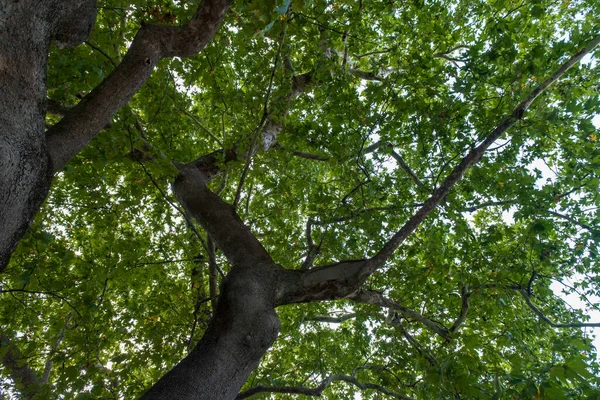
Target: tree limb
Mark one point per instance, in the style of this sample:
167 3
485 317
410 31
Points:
372 297
523 292
464 309
424 352
408 171
218 218
338 280
470 159
317 391
313 250
151 44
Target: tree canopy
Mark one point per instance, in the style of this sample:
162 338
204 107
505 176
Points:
425 169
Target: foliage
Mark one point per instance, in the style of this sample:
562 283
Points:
113 273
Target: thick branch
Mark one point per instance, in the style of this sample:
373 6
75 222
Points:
342 279
151 44
317 391
218 218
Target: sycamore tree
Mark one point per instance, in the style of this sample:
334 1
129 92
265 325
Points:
349 199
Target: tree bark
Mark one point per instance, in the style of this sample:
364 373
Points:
242 330
245 324
26 29
28 158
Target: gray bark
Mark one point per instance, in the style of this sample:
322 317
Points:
245 324
28 158
26 29
244 327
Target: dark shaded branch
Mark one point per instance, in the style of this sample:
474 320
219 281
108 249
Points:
313 250
52 294
357 213
16 365
523 292
189 221
372 297
105 54
205 129
333 320
151 44
464 309
422 350
317 391
547 320
318 157
573 221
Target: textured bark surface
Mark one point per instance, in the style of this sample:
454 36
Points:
26 30
151 44
245 324
242 330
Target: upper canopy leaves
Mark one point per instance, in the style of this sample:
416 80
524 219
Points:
372 105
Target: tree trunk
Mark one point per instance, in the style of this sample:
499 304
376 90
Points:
25 171
26 29
241 331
